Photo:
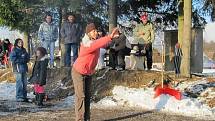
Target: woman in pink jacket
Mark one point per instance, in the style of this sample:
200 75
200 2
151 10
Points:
84 67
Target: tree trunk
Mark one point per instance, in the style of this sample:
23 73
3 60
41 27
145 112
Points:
62 12
112 14
26 41
213 11
32 47
60 23
186 44
180 21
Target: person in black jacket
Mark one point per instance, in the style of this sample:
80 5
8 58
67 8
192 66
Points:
117 53
39 74
71 33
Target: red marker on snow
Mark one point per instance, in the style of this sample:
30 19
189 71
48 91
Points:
165 89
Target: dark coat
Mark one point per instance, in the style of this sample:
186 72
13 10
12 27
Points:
120 42
71 32
19 58
39 73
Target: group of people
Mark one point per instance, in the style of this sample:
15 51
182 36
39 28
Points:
86 46
19 58
90 47
85 64
140 49
5 49
71 33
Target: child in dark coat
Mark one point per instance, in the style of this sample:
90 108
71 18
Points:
39 74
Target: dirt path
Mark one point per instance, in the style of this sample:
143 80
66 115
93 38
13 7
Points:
97 115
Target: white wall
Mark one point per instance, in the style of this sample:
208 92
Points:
209 32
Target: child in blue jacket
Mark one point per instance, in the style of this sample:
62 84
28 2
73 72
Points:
19 58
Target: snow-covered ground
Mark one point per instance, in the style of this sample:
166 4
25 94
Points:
8 91
144 98
207 71
65 103
8 101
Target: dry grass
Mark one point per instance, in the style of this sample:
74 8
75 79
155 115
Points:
211 80
8 75
211 102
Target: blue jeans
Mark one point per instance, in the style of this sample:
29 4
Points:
21 86
68 48
50 46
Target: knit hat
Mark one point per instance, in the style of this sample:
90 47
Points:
90 27
42 51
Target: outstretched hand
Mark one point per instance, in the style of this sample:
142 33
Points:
114 33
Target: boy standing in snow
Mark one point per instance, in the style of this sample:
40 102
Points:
84 67
39 74
19 58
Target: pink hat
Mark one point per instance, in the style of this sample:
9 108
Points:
144 17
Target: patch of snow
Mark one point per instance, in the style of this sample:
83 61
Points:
157 66
66 103
105 102
206 71
8 91
144 98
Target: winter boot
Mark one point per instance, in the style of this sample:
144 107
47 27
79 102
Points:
36 98
40 99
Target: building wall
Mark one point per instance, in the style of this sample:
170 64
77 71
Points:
171 38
